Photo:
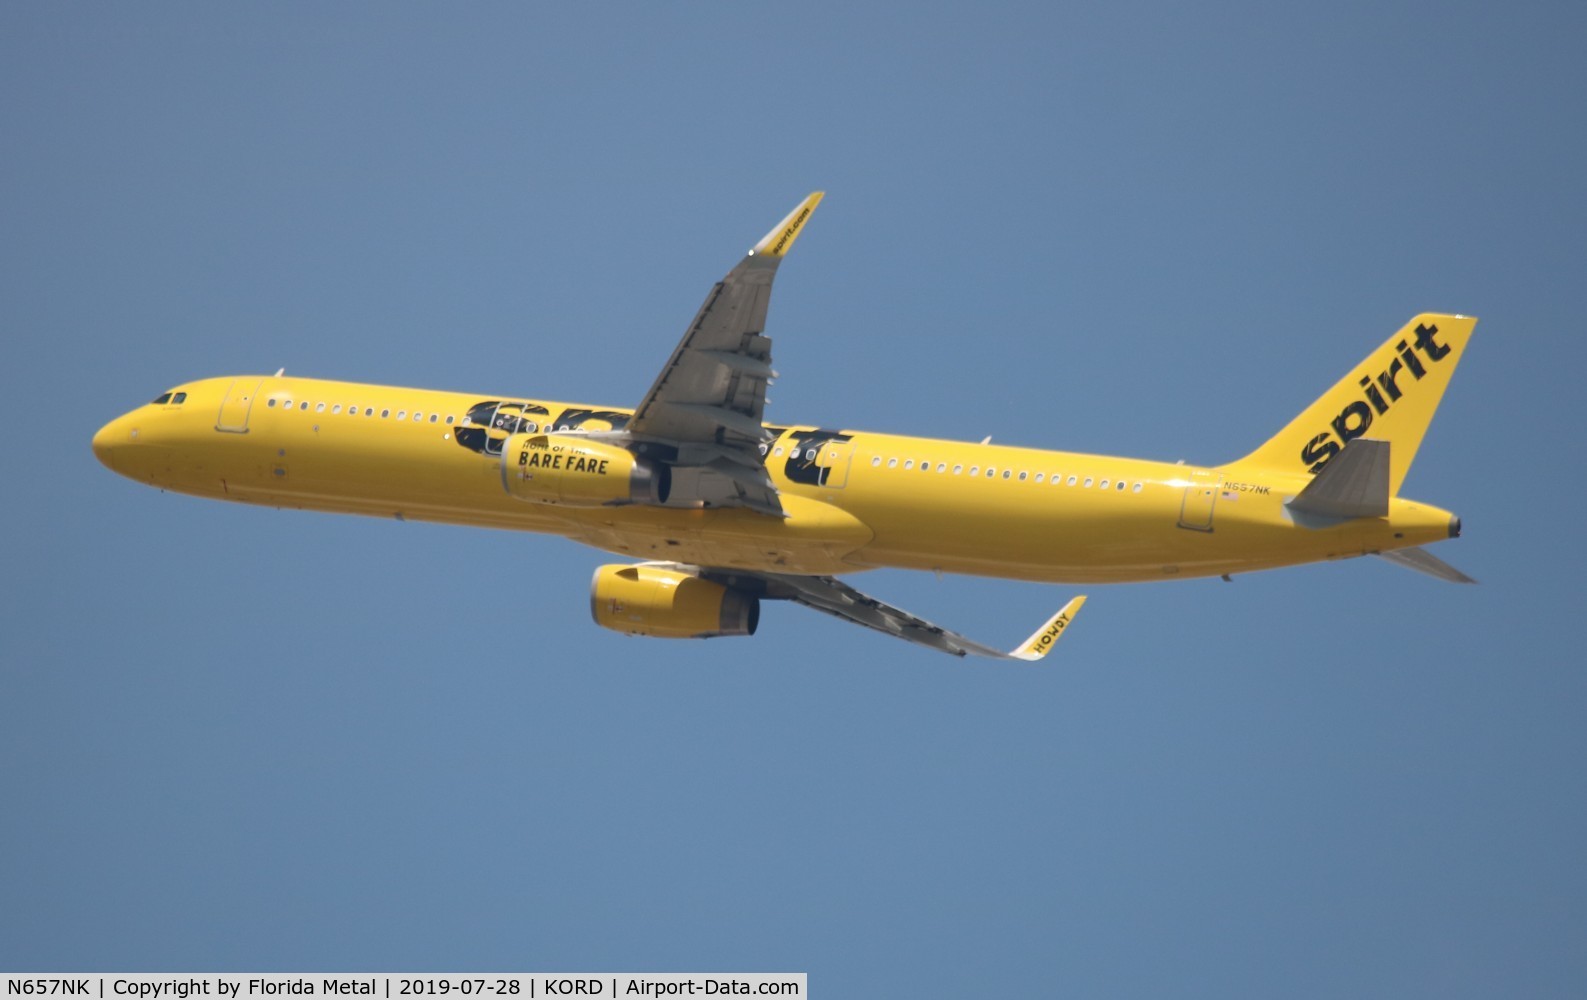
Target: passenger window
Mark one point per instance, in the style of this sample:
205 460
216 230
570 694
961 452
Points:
286 404
449 419
942 467
336 409
1137 488
1088 482
909 463
386 413
892 463
417 417
434 417
1038 477
876 461
991 472
974 469
1071 480
1119 485
304 406
1022 476
271 403
401 414
958 469
319 408
1104 484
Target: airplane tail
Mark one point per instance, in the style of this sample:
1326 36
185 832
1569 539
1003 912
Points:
1390 396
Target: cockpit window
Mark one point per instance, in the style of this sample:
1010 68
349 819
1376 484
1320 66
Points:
180 397
164 398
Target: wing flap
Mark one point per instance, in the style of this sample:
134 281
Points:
718 415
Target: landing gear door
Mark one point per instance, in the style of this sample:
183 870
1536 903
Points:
1195 510
234 409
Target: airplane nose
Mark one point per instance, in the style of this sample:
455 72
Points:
102 447
106 439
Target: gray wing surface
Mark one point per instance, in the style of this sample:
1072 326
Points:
710 398
834 597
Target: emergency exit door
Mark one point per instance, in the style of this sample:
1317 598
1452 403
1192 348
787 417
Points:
834 458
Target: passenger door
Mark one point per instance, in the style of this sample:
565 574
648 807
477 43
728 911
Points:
234 409
1195 510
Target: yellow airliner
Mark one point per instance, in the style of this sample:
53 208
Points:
724 510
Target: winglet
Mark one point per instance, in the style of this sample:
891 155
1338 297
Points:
777 242
1045 638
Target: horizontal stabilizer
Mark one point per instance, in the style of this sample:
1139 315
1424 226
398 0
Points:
1355 483
1424 561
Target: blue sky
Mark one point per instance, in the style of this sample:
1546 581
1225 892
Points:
247 739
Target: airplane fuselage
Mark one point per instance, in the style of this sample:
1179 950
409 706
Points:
854 500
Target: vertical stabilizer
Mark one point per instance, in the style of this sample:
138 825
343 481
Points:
1390 396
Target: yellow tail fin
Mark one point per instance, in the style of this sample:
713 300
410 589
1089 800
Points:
1390 397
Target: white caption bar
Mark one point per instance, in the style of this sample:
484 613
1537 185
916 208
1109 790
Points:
402 986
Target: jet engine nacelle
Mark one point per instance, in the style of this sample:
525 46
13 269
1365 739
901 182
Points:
564 469
668 604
